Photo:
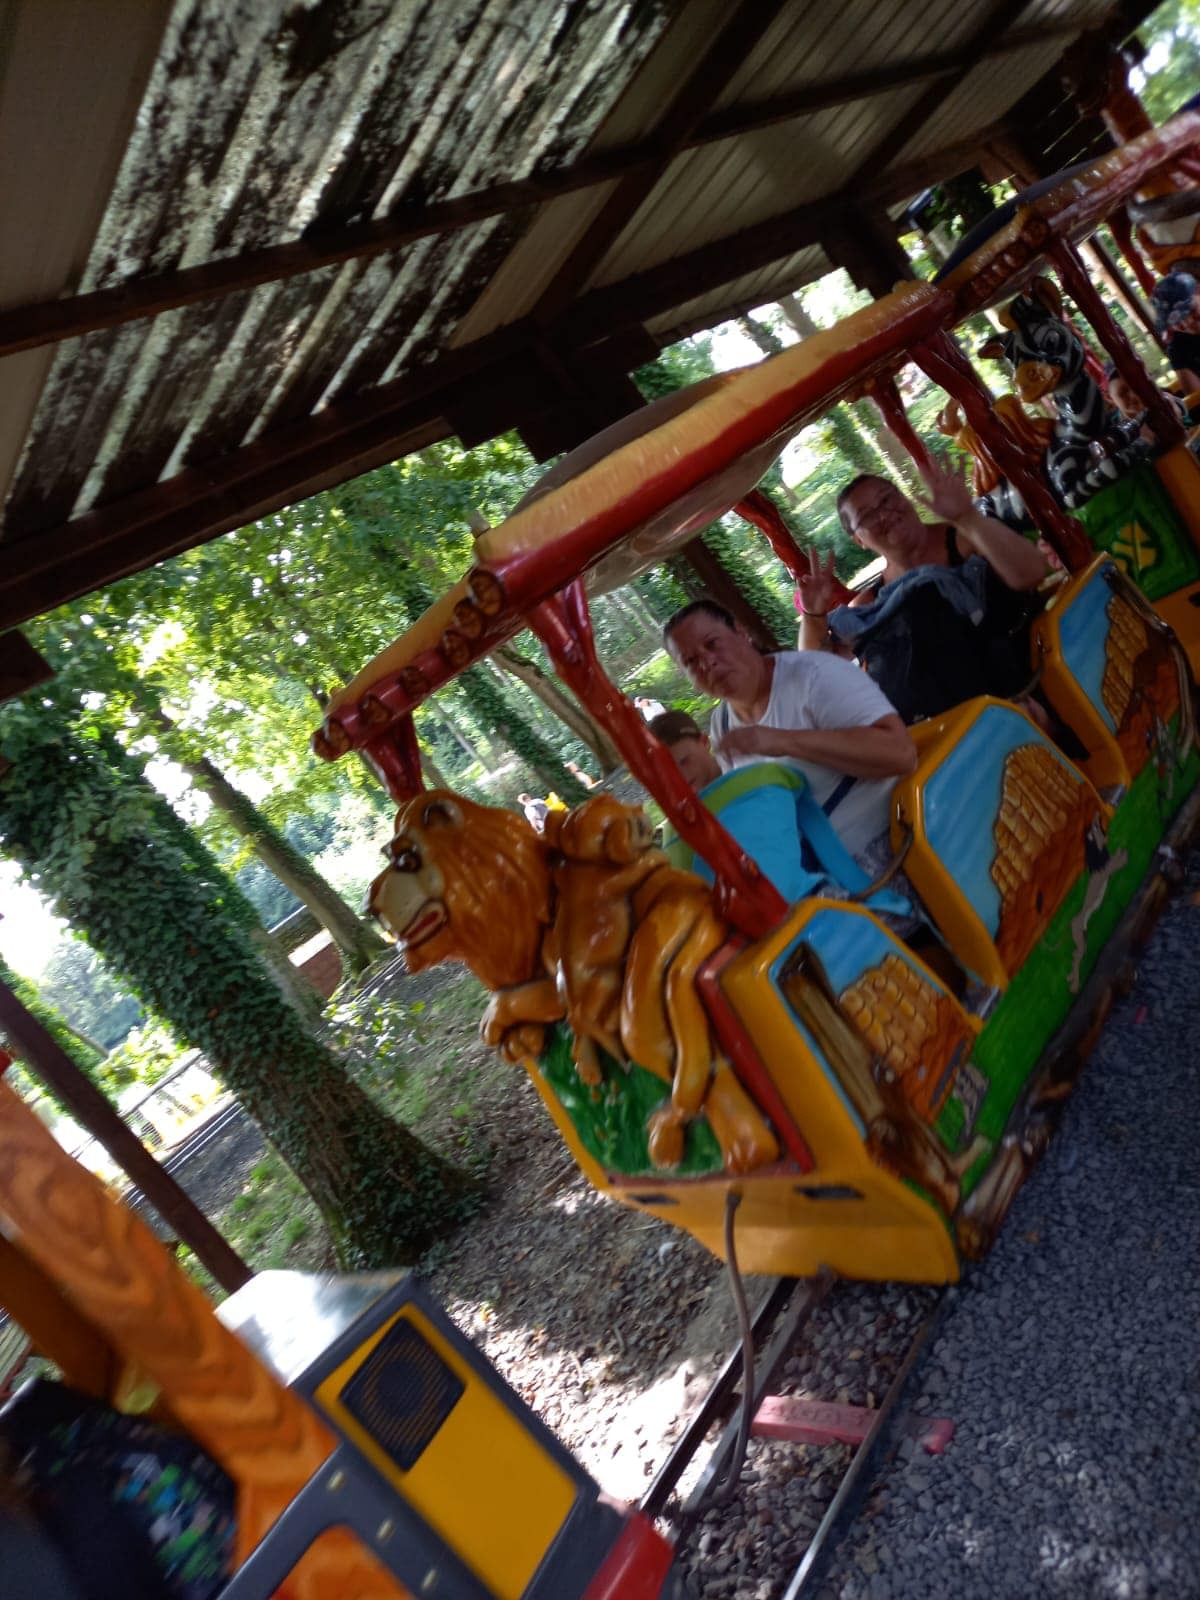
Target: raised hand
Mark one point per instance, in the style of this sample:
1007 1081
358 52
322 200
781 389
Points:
820 589
948 498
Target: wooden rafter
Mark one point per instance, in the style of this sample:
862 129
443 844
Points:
710 73
303 458
1002 14
697 272
47 322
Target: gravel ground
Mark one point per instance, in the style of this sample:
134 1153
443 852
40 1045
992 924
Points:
1071 1360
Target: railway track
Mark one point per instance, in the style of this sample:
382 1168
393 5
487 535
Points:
756 1365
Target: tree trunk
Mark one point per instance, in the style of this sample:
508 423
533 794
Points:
292 986
559 703
82 828
437 778
358 944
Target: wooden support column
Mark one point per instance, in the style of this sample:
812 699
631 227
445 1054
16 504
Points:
865 244
48 1061
21 666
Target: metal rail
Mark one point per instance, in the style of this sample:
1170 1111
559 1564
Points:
783 1310
810 1567
797 1312
685 1447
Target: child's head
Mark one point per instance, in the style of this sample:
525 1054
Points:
689 745
1120 393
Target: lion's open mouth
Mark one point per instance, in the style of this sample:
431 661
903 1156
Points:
424 925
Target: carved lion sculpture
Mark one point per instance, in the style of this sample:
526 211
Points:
589 924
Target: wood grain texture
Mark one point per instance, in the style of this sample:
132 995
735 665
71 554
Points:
108 1265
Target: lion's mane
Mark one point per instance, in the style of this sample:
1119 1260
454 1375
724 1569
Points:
497 888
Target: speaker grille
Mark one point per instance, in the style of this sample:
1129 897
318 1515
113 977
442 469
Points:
402 1394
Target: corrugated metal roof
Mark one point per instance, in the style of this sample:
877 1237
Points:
261 124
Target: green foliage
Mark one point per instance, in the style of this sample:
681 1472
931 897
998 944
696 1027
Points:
89 1061
1171 70
88 837
80 986
960 202
147 1055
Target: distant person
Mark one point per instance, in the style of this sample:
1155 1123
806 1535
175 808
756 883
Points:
1128 404
535 810
949 617
648 707
580 776
1176 300
810 710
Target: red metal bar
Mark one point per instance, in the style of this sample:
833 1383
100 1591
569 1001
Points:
762 513
884 393
747 1063
1074 278
750 901
396 757
637 1566
942 360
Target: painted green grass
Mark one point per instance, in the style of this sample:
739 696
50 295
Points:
611 1118
1038 999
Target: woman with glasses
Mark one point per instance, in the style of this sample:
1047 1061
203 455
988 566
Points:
949 616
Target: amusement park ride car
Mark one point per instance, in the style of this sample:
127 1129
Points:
703 1051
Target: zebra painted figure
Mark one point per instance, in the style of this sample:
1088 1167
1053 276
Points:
1090 445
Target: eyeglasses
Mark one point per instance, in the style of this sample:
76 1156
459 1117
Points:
857 515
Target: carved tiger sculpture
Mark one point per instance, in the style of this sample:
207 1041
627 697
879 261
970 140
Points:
589 924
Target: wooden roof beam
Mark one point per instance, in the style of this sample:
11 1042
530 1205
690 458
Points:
1001 16
655 291
699 86
47 322
749 116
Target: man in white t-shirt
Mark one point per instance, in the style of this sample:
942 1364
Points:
817 712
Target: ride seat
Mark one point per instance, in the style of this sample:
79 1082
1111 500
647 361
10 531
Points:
769 810
1113 674
1001 824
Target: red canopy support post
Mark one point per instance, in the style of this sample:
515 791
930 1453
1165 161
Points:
884 393
751 903
1073 276
396 757
39 1052
762 513
940 358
